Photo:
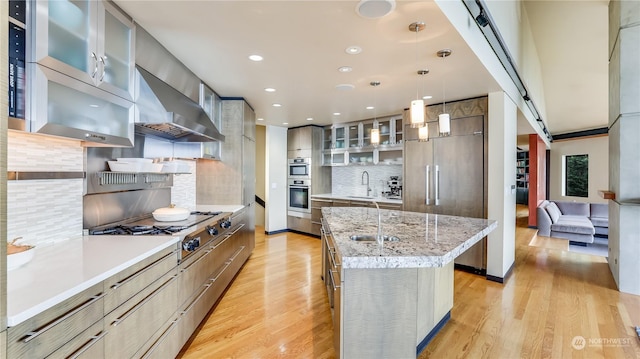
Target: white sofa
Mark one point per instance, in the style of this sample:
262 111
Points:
575 221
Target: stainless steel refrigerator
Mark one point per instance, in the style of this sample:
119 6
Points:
447 175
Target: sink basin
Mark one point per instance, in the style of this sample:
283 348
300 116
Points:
372 237
362 197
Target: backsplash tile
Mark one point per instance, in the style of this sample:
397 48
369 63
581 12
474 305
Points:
44 211
183 192
347 180
32 152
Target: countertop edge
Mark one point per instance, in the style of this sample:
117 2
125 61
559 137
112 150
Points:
16 319
347 198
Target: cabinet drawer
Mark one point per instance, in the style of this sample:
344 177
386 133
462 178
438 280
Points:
194 272
165 343
299 224
41 335
87 345
339 203
395 207
133 323
127 283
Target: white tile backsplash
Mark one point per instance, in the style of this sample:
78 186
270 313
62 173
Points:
347 180
183 192
44 211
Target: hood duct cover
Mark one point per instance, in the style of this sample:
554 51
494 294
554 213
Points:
165 112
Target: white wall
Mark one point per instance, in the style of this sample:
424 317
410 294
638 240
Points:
276 179
501 178
598 150
513 24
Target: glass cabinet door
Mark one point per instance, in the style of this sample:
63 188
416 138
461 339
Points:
65 37
115 52
62 106
354 138
366 133
396 128
340 135
385 131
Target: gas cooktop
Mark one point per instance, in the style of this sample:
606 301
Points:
147 225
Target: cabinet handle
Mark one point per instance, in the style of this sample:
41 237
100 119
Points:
94 339
204 290
95 65
196 261
226 265
235 230
143 302
104 70
138 273
426 186
32 335
236 254
162 337
437 179
333 281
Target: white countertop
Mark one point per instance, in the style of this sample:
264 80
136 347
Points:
219 207
425 240
357 198
61 270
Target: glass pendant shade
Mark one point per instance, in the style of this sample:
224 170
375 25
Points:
417 113
375 136
423 133
444 123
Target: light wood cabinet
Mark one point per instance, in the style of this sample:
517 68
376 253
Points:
87 345
134 322
46 332
299 142
165 343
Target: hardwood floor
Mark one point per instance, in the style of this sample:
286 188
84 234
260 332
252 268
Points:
277 307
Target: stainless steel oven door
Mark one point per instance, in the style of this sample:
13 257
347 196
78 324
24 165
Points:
299 196
299 168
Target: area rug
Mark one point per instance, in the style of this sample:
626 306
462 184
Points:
599 247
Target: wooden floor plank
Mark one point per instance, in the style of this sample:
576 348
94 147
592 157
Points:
277 307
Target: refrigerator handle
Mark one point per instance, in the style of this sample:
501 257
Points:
437 180
426 186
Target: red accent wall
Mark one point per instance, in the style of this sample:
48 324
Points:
537 175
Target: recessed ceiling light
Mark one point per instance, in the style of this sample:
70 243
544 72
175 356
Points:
353 50
427 97
370 107
309 118
255 58
345 69
285 123
270 89
336 113
260 119
373 9
276 105
345 87
94 106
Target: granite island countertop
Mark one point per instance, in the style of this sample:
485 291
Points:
425 240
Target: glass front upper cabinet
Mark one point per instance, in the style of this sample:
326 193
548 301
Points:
88 40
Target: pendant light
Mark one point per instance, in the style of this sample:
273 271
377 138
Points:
416 112
423 132
375 132
444 120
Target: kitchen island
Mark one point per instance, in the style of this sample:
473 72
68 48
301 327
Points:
389 301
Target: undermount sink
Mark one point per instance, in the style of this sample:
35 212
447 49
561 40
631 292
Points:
362 197
372 237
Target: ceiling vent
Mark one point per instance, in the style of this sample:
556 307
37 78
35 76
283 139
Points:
373 9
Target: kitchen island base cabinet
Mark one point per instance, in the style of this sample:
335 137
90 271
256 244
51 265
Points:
387 313
87 345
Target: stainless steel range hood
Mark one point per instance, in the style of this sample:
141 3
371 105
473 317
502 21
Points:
165 112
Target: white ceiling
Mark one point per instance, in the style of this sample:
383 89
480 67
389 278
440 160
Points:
303 44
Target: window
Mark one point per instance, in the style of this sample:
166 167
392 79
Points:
576 180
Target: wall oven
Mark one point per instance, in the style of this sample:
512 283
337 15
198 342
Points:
299 195
299 168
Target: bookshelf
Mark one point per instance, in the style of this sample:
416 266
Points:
522 177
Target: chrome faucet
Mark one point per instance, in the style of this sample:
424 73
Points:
367 183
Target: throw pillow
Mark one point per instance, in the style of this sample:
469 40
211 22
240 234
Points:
554 212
